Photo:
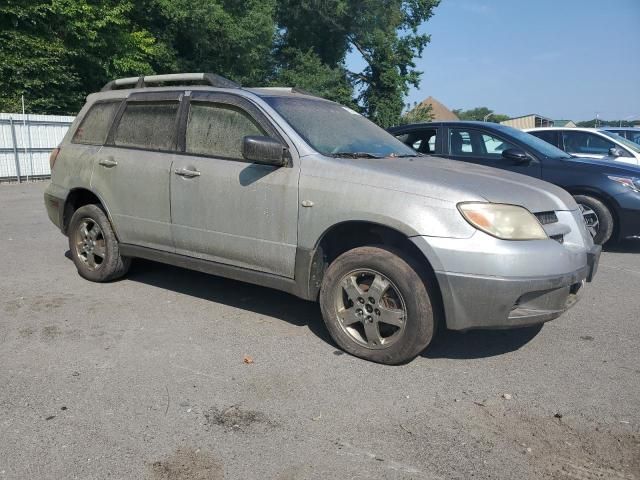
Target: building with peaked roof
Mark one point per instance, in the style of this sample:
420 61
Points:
528 121
439 111
564 123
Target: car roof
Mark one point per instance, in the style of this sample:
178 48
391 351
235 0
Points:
450 123
626 129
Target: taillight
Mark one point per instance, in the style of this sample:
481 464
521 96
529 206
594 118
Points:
53 156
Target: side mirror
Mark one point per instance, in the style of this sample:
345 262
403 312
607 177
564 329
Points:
517 156
615 152
264 150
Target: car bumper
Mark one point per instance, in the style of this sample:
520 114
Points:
54 200
505 296
629 214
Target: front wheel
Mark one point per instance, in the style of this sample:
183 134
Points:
597 217
94 246
376 305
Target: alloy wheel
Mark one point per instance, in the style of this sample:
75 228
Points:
370 308
90 244
590 219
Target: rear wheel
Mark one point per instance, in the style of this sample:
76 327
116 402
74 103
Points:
94 247
597 217
376 305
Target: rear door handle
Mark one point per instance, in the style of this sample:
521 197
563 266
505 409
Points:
108 162
184 172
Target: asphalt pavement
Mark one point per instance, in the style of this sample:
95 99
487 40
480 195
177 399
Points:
174 374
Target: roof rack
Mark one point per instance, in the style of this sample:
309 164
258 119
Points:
210 79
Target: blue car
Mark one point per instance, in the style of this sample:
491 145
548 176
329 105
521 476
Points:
607 192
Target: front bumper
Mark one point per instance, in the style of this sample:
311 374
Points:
517 284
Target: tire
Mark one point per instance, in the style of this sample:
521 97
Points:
594 209
94 246
385 287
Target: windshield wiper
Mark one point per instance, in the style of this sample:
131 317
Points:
354 155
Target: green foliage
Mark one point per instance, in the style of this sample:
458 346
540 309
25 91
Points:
384 33
479 114
55 52
606 123
419 113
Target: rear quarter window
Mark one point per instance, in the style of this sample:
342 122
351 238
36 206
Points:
95 125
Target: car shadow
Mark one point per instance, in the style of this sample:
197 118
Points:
253 298
631 245
479 343
298 312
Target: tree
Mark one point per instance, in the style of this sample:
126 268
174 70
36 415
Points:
55 52
384 33
419 113
479 114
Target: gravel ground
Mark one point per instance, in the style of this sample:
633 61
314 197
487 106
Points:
173 374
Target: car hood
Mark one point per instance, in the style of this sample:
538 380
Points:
453 181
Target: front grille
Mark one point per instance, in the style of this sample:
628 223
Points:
545 218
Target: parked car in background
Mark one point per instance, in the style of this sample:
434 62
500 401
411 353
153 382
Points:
590 142
608 192
294 192
630 133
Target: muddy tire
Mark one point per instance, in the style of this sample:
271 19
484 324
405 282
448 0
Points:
376 305
598 218
94 247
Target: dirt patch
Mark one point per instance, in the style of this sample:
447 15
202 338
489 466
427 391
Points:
554 446
186 464
50 332
237 418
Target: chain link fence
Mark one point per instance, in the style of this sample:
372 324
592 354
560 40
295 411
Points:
26 142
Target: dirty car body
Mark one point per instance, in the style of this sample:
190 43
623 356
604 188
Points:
282 226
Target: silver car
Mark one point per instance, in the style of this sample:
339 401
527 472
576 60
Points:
282 189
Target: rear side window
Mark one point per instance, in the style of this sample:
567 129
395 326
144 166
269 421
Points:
95 125
148 125
218 130
548 136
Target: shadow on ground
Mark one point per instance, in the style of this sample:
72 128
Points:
253 298
276 304
480 343
631 245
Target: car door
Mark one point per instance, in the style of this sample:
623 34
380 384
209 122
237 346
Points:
226 209
485 147
132 171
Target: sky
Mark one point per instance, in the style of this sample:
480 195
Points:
563 59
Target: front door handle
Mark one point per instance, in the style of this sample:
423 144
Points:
185 172
108 162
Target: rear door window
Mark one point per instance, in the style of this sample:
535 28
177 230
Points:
95 125
473 143
148 125
423 141
549 136
218 130
586 143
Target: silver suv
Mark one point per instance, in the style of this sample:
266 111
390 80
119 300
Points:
282 189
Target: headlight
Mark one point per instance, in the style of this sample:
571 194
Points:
508 222
632 182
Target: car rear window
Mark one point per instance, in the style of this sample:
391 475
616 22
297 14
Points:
95 125
148 125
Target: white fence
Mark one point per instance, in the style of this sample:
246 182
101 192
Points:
26 142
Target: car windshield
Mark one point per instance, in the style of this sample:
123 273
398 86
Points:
337 131
627 143
535 143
